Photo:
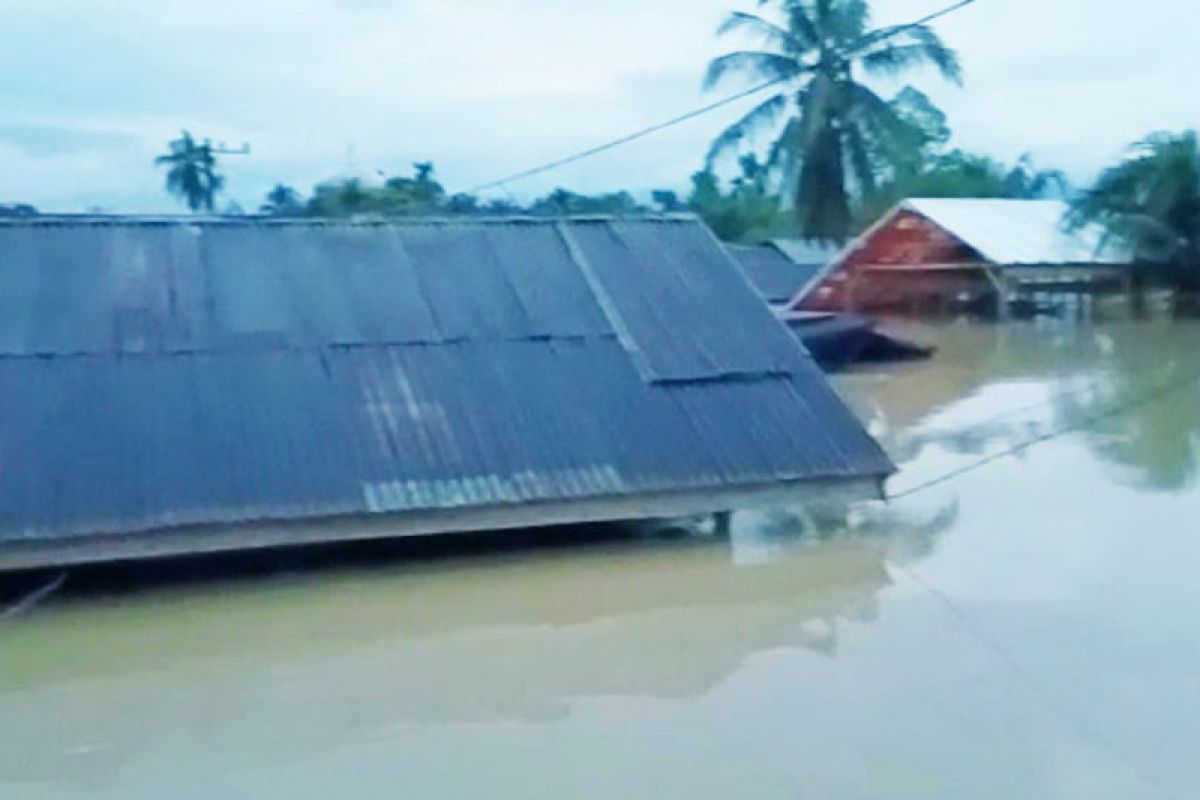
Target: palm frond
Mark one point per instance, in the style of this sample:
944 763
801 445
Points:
918 45
801 24
868 108
761 116
894 59
1151 200
771 34
823 12
861 162
758 64
845 21
886 137
783 157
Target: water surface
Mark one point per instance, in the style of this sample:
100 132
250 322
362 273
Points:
1028 629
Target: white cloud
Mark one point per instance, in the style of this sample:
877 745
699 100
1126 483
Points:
487 87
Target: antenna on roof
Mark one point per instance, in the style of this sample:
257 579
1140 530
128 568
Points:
223 150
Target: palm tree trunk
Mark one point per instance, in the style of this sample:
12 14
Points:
822 202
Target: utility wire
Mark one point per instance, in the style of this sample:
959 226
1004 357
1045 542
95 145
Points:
1091 386
1154 396
633 137
887 33
1023 676
965 620
866 41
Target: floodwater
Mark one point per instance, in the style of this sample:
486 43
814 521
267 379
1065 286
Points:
1028 629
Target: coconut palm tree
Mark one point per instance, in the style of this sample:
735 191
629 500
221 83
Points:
838 132
192 172
1151 202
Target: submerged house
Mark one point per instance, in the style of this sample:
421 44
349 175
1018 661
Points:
177 386
781 269
835 341
936 253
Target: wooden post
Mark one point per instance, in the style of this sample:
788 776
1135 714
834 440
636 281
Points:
1000 281
1135 286
850 302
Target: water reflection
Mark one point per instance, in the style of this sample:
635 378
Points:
1156 437
996 387
782 663
490 639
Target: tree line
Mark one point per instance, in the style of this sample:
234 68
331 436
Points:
837 153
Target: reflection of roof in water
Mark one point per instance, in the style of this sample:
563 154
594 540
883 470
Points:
404 647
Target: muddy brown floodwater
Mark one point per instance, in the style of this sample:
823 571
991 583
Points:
1030 629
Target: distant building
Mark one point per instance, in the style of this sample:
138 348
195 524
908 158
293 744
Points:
173 386
930 253
780 269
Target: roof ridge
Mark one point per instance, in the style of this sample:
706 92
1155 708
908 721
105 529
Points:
365 221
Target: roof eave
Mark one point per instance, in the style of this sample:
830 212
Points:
213 539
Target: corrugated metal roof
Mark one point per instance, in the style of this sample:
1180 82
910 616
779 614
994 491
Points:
775 276
805 252
168 373
1018 232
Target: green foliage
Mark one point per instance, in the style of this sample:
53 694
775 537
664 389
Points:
835 138
283 201
192 172
747 212
1151 202
923 132
418 195
668 201
18 210
422 195
561 202
744 211
958 173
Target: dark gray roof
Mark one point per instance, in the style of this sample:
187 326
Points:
775 276
176 372
806 252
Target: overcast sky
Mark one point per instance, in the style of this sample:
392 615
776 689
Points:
93 89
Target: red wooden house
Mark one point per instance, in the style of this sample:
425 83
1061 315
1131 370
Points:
942 253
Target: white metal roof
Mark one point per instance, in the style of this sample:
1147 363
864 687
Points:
1019 232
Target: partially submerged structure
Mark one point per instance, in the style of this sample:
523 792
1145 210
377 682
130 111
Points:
835 341
781 269
839 341
178 386
941 253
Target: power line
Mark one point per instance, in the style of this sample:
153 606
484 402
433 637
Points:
887 33
1006 659
1154 396
626 139
1065 394
883 35
1023 676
